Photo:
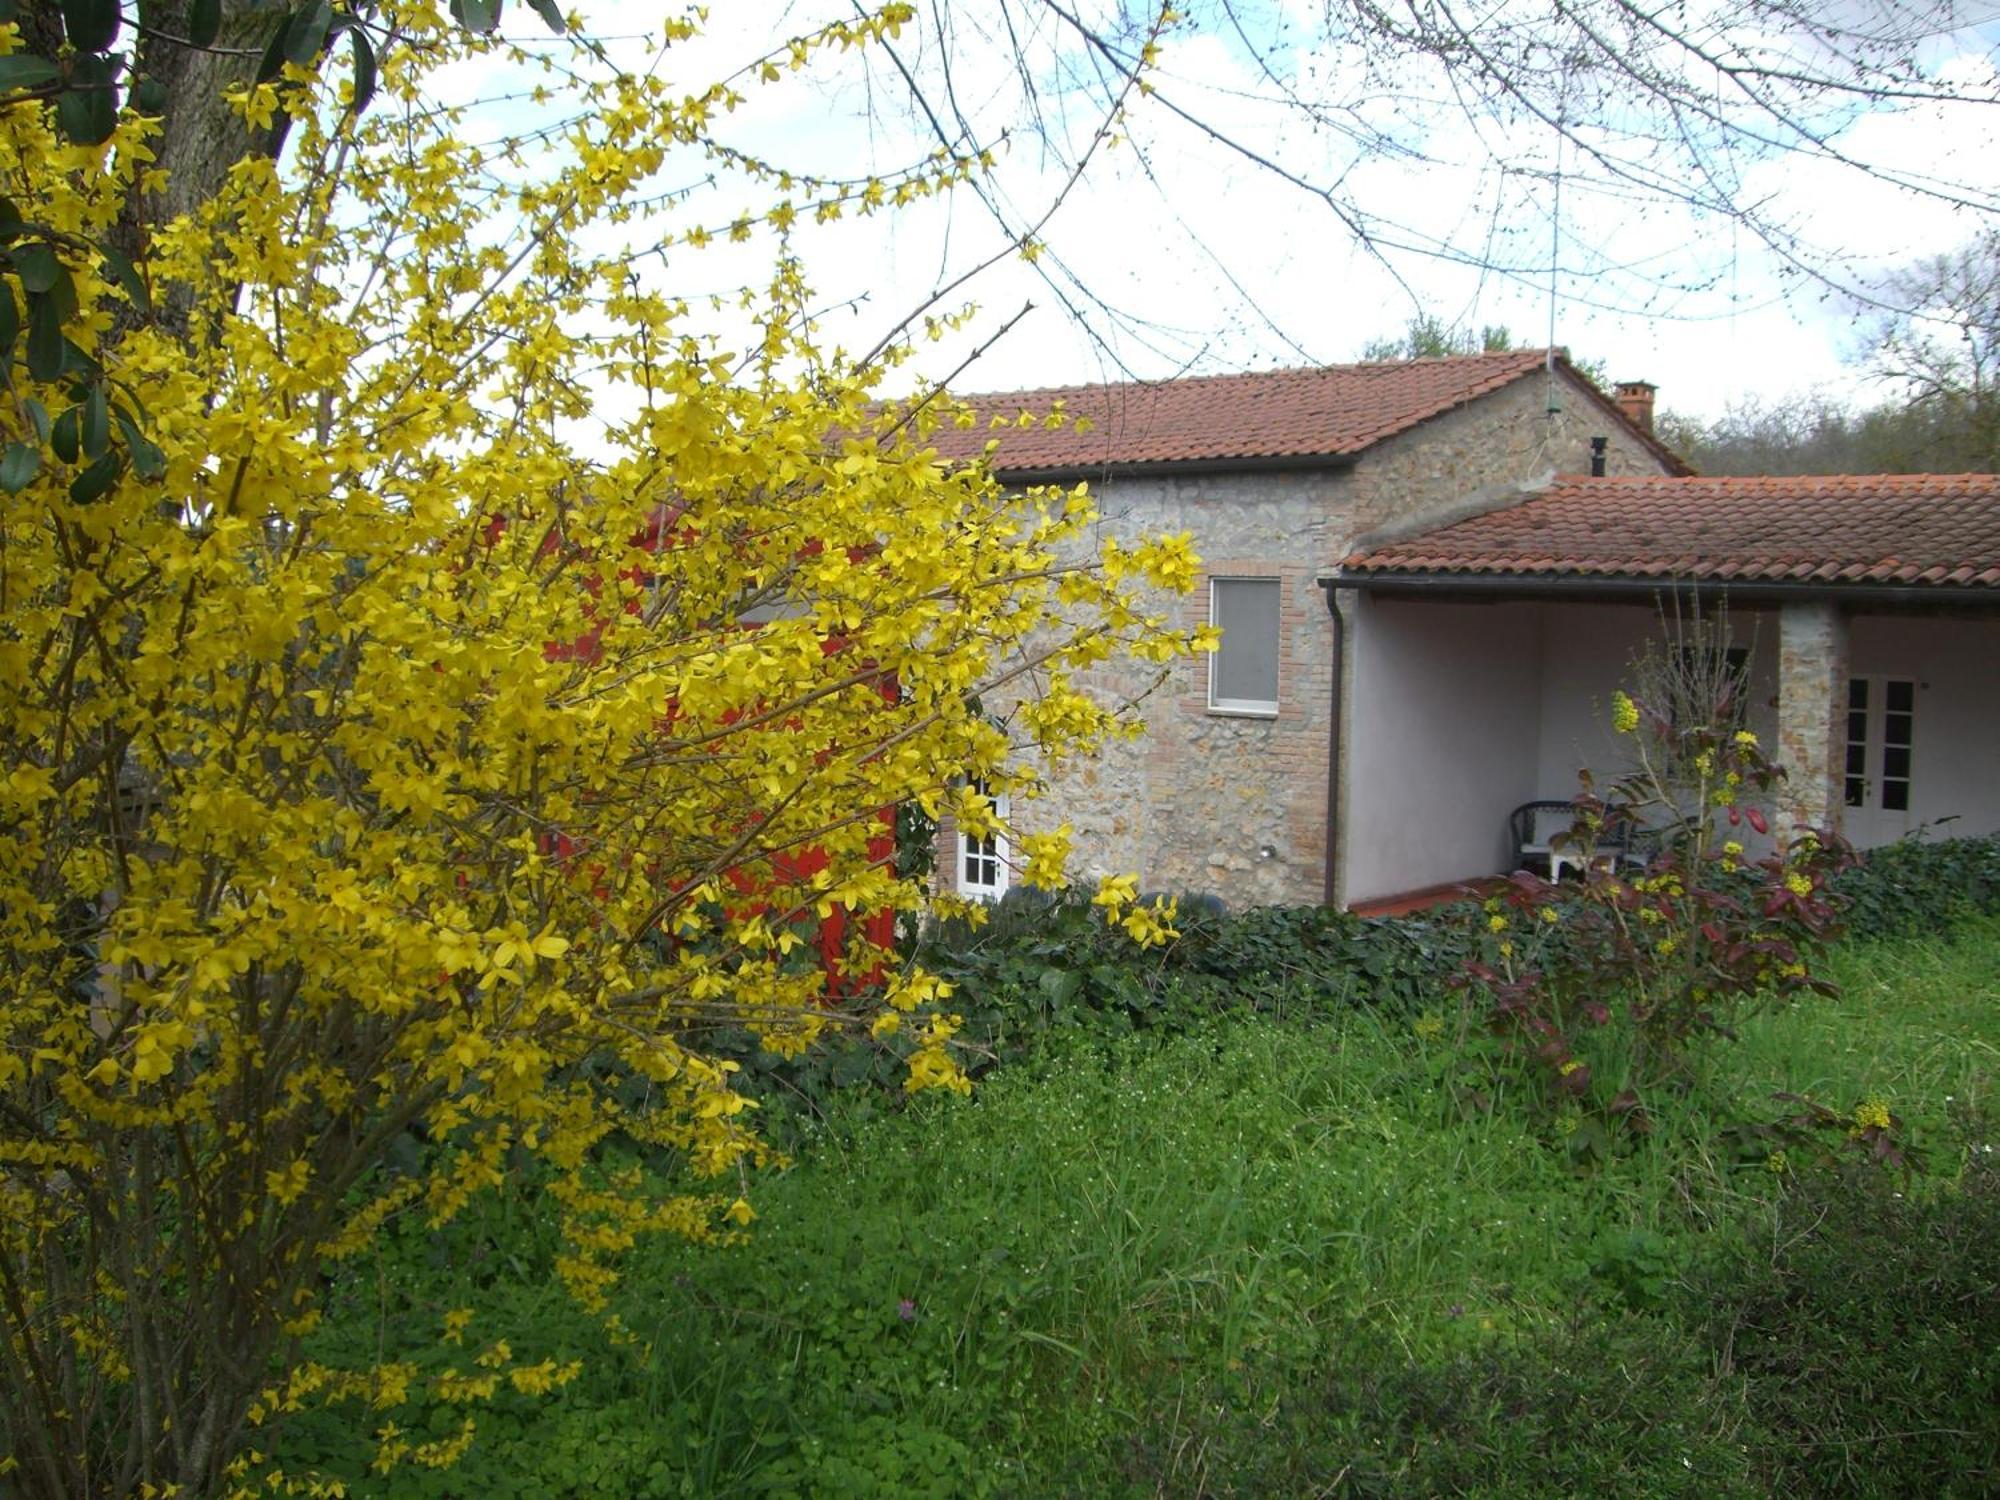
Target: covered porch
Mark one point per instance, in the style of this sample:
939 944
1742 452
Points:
1470 685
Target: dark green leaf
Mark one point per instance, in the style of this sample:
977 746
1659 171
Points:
20 464
482 16
92 25
149 97
364 71
10 323
67 437
45 338
204 21
87 111
9 10
551 12
37 267
306 36
63 294
95 481
96 423
76 363
38 418
148 462
274 52
10 221
127 276
23 70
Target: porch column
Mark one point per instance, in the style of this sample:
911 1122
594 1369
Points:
1812 719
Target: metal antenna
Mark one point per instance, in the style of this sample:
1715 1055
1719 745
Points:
1555 258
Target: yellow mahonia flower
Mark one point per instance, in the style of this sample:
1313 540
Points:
1872 1114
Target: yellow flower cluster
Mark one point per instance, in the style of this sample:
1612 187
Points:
1871 1114
1624 713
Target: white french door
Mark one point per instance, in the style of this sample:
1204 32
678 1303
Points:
1881 751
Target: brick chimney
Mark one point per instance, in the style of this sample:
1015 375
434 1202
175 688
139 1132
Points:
1635 399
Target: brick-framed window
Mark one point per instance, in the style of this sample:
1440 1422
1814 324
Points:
982 859
1243 670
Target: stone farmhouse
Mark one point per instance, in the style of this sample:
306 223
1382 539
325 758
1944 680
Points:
1430 576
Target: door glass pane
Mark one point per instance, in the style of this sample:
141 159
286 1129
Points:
1856 787
1899 725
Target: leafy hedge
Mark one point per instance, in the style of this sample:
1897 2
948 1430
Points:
1046 963
1044 966
1912 888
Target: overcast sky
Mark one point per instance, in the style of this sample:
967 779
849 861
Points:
1181 254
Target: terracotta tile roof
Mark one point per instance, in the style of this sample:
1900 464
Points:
1915 529
1334 411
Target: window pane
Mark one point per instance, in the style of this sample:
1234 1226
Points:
1857 692
1856 788
1245 665
1896 796
980 856
1901 696
1857 760
1896 762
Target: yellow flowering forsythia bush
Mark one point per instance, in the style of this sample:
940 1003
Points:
392 756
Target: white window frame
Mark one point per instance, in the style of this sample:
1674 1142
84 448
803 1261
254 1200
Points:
988 853
1246 708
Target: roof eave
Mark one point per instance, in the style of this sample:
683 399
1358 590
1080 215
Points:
1628 587
1267 463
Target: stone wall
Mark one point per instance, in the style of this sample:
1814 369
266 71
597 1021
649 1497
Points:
1812 701
1236 806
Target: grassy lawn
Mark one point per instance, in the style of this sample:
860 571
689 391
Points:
1274 1258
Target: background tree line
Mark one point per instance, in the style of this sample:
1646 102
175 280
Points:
1931 346
1932 338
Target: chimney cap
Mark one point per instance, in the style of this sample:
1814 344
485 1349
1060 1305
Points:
1637 387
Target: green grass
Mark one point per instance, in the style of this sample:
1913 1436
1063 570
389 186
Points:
1253 1258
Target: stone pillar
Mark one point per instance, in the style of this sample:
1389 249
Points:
1812 703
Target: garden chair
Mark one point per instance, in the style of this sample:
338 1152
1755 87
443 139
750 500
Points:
1533 828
